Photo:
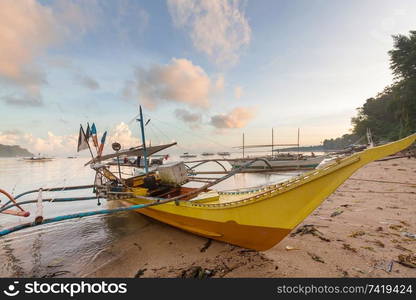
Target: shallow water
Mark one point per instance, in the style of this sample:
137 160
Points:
69 248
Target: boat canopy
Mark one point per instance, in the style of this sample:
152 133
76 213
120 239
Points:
136 151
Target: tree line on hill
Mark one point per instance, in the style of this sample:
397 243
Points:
391 114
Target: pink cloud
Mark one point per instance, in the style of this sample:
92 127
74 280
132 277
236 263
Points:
27 30
180 81
237 118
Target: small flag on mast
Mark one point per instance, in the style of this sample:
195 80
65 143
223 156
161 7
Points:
88 132
101 148
94 135
82 140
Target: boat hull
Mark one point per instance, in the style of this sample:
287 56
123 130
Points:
259 220
247 236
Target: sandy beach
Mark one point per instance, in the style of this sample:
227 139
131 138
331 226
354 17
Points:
359 231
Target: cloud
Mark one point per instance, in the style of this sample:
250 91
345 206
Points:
27 101
27 30
52 144
180 81
237 118
130 20
217 28
123 135
220 82
77 17
9 137
188 117
79 76
12 131
87 82
238 92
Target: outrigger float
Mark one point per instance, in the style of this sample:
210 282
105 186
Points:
251 218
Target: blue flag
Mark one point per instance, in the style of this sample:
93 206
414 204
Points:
94 135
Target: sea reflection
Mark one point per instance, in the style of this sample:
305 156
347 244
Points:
72 247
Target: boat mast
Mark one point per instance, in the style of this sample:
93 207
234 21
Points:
243 144
298 148
272 141
146 170
277 146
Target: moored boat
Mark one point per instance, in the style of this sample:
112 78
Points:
224 153
37 159
187 155
277 163
256 219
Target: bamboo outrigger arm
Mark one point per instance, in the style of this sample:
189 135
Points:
55 189
207 161
191 169
155 201
5 208
21 212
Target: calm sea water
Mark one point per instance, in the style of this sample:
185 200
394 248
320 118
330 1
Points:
70 247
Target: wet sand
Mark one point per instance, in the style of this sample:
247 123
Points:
359 231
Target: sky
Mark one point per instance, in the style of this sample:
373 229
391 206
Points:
205 72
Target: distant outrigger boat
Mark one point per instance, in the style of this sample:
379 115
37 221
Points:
251 218
37 159
280 162
207 154
224 153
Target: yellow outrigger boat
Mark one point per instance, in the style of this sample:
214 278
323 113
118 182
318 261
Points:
262 218
256 219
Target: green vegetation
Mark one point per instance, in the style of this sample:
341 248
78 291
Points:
341 142
392 113
13 151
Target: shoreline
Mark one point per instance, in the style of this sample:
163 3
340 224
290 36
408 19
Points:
359 231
